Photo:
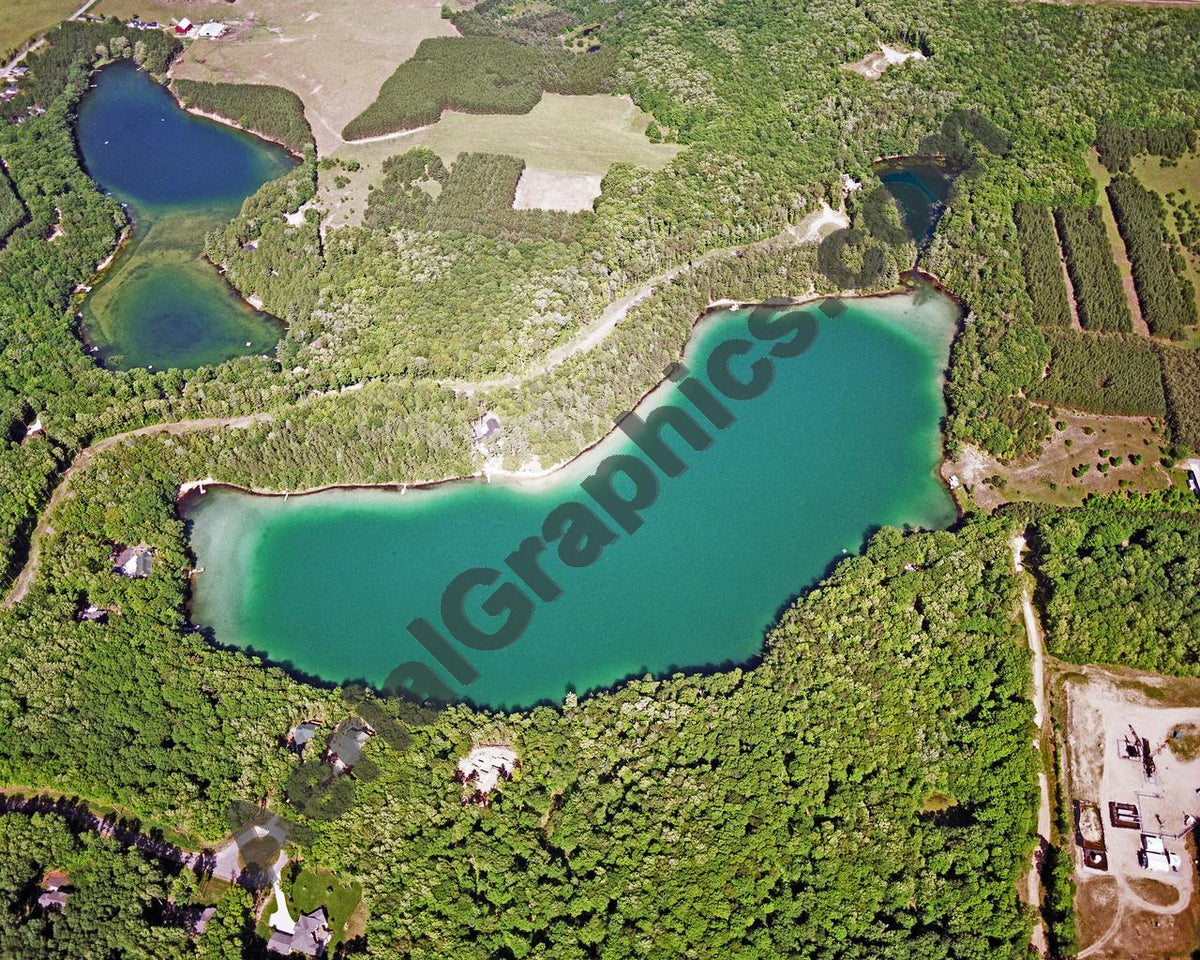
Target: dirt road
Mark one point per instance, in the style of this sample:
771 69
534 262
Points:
24 579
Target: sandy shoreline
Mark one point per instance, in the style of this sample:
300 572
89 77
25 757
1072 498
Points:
533 475
226 121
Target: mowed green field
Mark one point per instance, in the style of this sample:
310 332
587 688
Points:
563 134
21 20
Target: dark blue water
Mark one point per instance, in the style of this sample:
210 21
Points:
161 304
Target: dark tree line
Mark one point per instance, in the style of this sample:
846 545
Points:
1102 375
1117 143
12 210
1043 265
1165 294
1099 296
274 112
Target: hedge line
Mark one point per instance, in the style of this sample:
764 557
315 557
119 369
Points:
1043 265
1165 294
1098 292
274 112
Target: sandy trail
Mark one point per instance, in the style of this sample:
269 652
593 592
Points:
810 230
1041 708
815 226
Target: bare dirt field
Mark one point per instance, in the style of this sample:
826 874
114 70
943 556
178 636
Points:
334 54
1048 478
1130 910
552 190
568 135
873 65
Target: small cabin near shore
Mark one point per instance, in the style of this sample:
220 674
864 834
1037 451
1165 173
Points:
133 562
481 771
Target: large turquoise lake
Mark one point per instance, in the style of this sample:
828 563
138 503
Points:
845 439
161 304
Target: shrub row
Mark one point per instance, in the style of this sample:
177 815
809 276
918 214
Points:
1165 294
274 112
1099 296
1043 265
1181 380
1117 144
1112 374
475 74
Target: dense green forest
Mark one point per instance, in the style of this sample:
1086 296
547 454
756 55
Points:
12 210
1122 585
1164 293
783 810
1103 375
122 904
273 112
1094 277
1043 265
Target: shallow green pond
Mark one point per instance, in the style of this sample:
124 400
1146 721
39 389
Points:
161 304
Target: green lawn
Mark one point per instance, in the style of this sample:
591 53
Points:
311 888
22 19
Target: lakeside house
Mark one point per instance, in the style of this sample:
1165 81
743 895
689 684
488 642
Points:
481 770
300 735
310 936
346 744
54 897
133 562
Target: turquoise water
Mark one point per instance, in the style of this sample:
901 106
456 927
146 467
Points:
161 304
845 439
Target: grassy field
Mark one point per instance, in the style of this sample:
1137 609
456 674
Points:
20 20
334 54
1183 178
562 134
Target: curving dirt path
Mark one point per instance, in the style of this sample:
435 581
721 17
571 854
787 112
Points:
810 230
24 579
